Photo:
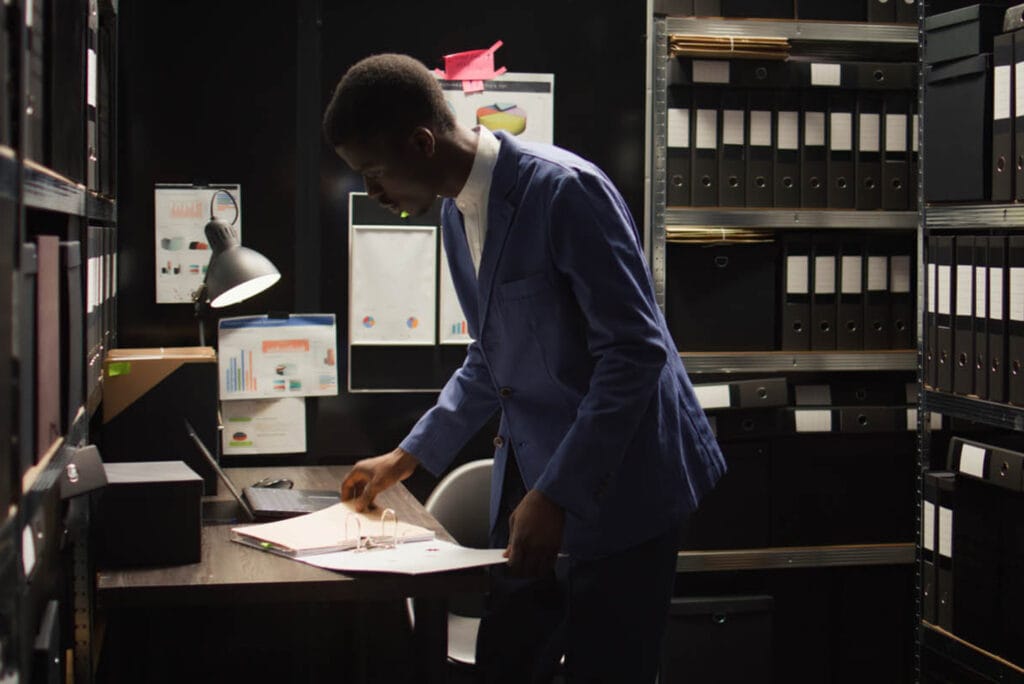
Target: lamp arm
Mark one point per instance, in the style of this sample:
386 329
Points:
233 201
199 299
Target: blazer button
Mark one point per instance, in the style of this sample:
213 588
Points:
498 442
505 391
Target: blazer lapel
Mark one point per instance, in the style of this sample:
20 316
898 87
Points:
500 212
453 234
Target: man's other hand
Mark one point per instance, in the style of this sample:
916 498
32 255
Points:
535 535
370 476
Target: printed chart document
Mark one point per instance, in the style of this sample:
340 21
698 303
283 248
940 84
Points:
264 426
262 357
454 329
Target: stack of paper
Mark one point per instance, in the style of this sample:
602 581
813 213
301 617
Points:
728 46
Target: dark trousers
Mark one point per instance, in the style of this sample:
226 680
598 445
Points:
606 616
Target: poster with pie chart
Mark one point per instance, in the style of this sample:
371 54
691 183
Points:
520 104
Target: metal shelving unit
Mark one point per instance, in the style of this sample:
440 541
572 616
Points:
977 659
782 361
981 216
795 557
978 410
789 218
47 190
819 31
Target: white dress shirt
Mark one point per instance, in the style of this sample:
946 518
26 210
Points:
472 199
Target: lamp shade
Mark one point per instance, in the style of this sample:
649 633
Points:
235 272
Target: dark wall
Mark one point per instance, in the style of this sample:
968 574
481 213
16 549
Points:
237 95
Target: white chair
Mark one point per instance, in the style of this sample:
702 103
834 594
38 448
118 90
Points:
461 503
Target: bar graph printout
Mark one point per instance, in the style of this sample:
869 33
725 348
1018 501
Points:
261 357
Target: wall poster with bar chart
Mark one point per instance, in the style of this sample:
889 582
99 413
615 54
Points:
261 357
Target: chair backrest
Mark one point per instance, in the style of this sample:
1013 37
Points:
461 502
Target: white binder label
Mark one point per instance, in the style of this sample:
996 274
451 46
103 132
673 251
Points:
945 532
870 132
1001 93
825 275
707 129
995 293
814 129
1019 94
972 461
813 395
928 526
1016 294
914 132
797 274
931 288
28 550
878 274
851 275
912 419
712 396
944 290
813 420
980 289
678 127
900 269
788 131
761 128
706 71
895 132
732 127
826 75
964 296
90 88
841 131
935 421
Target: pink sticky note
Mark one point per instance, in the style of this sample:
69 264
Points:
472 65
472 86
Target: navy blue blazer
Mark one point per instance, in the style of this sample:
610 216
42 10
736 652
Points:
572 348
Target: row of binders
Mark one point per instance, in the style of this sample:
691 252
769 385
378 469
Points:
773 408
100 298
57 72
972 539
902 11
974 320
792 134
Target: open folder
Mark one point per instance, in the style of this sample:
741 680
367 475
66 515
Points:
335 528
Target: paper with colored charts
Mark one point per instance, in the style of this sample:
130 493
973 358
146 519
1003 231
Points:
453 327
182 254
264 426
520 104
393 271
261 357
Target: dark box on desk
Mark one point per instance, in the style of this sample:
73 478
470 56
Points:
149 514
964 32
958 131
147 396
705 280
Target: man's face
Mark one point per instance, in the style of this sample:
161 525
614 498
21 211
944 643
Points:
398 175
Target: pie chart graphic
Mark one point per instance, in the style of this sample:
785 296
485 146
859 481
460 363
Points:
502 116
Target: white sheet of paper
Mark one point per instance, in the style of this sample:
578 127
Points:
414 558
270 358
182 254
392 276
264 426
454 329
520 103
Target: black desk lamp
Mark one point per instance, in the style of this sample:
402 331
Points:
235 273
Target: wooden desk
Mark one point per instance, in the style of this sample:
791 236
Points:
231 575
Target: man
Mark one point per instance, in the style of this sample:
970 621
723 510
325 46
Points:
602 449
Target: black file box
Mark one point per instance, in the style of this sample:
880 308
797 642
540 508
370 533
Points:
704 139
703 280
976 541
896 188
72 310
678 156
902 301
944 590
65 87
28 270
1003 167
868 194
1015 326
823 292
6 61
945 296
850 303
33 82
760 146
906 11
724 519
929 545
979 324
149 514
813 150
960 33
835 10
702 635
877 294
732 150
958 131
997 324
795 290
963 316
881 11
787 149
841 138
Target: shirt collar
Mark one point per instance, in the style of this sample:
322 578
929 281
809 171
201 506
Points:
474 192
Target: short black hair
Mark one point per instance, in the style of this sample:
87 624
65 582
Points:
385 95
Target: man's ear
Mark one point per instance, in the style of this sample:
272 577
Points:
423 140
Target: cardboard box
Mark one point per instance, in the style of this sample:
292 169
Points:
147 396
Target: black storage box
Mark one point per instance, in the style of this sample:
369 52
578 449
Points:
149 514
722 639
705 280
964 32
958 131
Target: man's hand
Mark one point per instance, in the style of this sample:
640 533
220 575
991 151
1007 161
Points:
370 476
535 535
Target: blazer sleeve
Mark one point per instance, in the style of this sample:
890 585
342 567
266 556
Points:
467 401
594 244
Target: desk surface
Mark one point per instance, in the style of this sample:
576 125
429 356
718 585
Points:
233 573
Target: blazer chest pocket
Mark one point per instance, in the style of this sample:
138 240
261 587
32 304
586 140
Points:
524 288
